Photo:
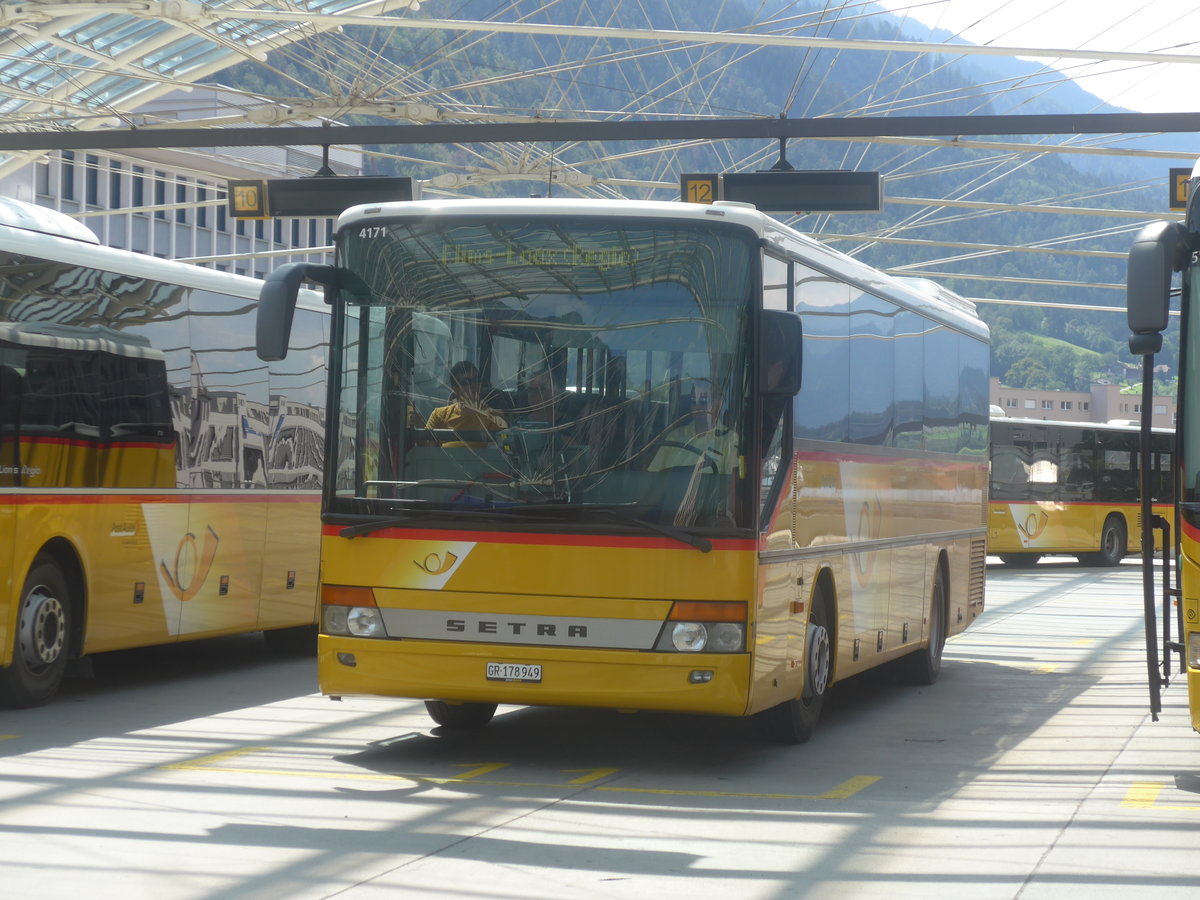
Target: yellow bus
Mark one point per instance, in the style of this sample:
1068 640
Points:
158 482
636 455
1071 488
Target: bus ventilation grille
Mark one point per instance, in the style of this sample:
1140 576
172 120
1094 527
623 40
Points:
978 573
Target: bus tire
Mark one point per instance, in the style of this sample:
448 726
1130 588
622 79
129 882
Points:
460 716
41 644
795 720
1113 543
1020 560
923 666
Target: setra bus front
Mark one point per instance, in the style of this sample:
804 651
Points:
548 435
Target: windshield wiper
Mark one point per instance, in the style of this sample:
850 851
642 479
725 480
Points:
704 545
508 513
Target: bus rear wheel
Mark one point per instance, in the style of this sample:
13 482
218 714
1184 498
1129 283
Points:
41 642
460 716
795 720
1113 543
924 665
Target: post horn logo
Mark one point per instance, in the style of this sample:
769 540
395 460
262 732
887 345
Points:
436 565
188 559
1035 524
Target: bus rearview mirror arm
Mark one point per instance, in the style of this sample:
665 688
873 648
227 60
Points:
277 305
1158 250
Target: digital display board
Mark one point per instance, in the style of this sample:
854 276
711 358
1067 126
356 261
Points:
315 196
800 192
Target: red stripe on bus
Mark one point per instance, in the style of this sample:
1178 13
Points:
94 443
28 499
532 538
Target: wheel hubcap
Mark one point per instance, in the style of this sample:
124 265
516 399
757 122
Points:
818 661
41 628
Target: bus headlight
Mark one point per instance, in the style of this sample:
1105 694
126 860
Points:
365 621
1193 649
725 637
689 637
703 637
333 619
704 626
352 621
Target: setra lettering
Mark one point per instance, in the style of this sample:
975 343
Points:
515 628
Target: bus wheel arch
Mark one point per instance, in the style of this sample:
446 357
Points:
795 720
49 627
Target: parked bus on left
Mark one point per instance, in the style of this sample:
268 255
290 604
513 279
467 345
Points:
158 483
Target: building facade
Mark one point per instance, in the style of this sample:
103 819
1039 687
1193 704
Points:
1101 404
172 204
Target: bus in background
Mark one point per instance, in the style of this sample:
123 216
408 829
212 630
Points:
574 464
1071 488
157 481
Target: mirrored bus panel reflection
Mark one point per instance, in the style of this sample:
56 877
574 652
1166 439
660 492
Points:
646 456
158 482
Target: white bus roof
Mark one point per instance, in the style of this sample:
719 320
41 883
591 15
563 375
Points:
920 295
34 231
29 217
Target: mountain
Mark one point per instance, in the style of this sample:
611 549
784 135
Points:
519 74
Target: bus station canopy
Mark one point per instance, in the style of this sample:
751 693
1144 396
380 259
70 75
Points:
78 66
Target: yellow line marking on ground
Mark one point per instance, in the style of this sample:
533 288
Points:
8 737
841 792
1046 670
485 769
205 762
1083 642
1144 795
590 775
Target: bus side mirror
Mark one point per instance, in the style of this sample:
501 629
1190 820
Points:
1157 251
780 353
277 306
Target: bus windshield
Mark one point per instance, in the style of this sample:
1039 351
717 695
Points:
523 367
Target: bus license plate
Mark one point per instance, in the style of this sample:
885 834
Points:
513 672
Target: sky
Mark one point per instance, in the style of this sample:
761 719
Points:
1161 26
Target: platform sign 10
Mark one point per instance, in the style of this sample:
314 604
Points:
248 199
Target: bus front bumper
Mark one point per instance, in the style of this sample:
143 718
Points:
709 683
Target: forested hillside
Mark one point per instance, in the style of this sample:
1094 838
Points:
521 75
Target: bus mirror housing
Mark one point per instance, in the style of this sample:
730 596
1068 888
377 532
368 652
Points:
277 306
780 353
1157 251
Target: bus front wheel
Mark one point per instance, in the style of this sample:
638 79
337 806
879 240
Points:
460 716
795 720
40 646
1020 560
